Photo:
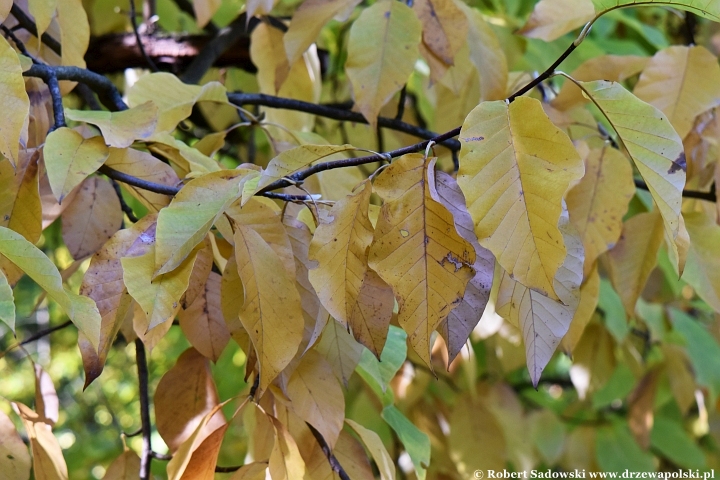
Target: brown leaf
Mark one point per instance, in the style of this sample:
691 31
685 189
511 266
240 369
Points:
124 467
372 312
203 323
641 403
48 461
185 394
92 217
251 471
14 456
199 275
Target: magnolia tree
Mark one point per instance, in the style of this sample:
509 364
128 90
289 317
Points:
351 239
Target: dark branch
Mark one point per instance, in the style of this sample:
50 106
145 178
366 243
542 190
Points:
123 205
221 43
26 22
710 196
44 333
545 75
56 96
334 113
233 468
142 368
334 464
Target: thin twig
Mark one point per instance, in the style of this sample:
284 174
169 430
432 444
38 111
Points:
123 205
230 469
142 368
141 47
44 333
18 43
545 75
334 464
26 22
710 196
401 103
133 434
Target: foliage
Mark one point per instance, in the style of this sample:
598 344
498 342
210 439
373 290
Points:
252 285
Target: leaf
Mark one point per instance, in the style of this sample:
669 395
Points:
185 395
616 68
641 403
542 320
173 98
251 471
548 434
634 256
417 443
473 426
599 201
444 27
160 297
271 312
589 293
665 84
20 205
285 461
144 166
372 312
291 161
204 10
652 143
46 398
486 54
551 19
48 461
515 167
340 350
703 8
124 467
70 159
674 443
617 451
7 303
377 450
27 257
92 218
456 328
120 129
340 250
43 12
202 322
14 456
188 218
417 251
259 7
103 283
392 358
702 348
382 49
15 103
702 270
74 34
307 21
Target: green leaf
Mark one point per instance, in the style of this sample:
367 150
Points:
391 359
618 387
417 443
651 141
7 304
702 348
617 450
704 8
671 439
28 258
611 304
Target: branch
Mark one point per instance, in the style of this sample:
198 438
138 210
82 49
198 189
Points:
123 205
710 196
545 75
335 113
26 22
334 464
142 368
133 22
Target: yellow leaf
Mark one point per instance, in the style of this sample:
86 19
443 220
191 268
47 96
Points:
542 320
5 7
232 297
444 27
340 250
615 68
340 350
185 395
285 462
15 104
417 251
43 12
120 129
683 82
291 161
486 54
186 159
103 282
204 10
551 19
14 456
704 8
271 313
20 206
48 461
74 36
702 270
377 450
599 201
173 98
160 296
515 167
456 328
474 427
124 467
187 220
651 141
634 256
92 218
316 396
589 294
143 165
308 20
202 322
382 50
26 256
251 471
70 159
